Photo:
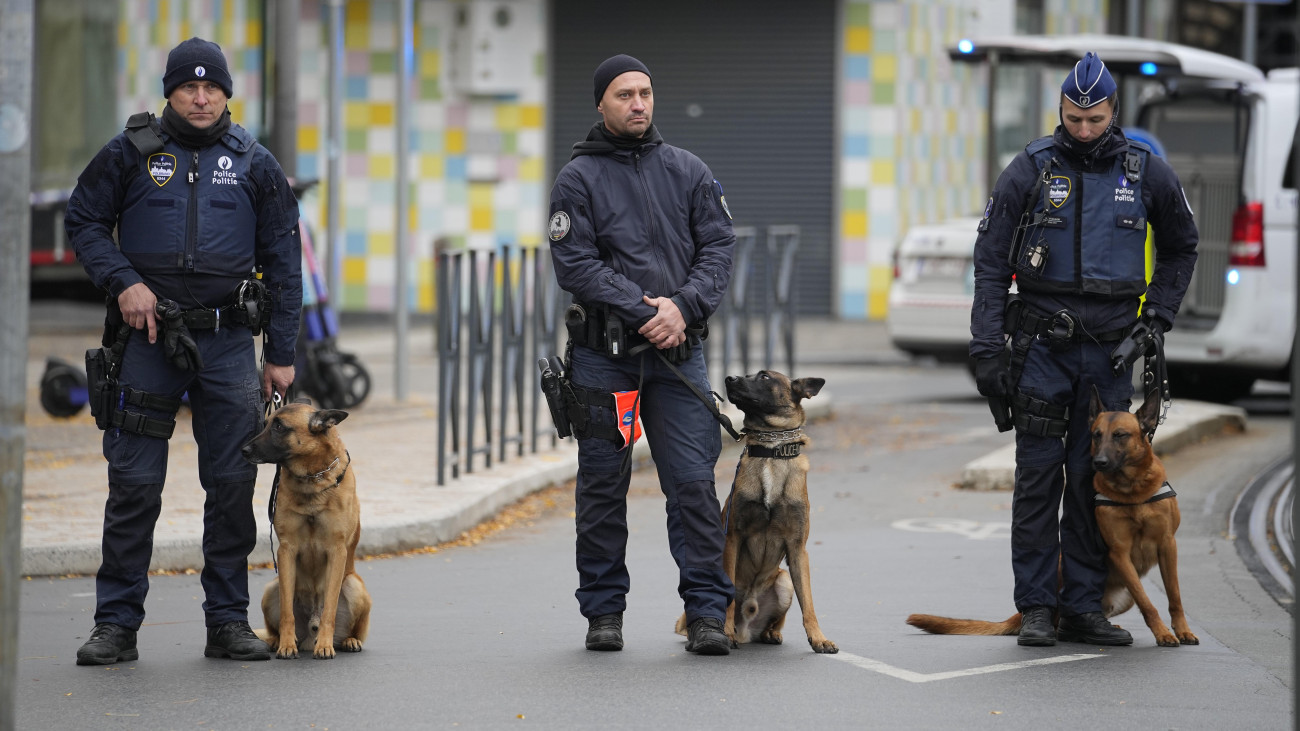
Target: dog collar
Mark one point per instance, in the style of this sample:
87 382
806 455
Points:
789 450
1166 491
317 476
775 436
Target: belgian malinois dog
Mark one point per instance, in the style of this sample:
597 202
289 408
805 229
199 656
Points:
1137 513
318 603
767 514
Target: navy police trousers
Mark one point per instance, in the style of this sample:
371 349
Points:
1055 476
685 443
226 403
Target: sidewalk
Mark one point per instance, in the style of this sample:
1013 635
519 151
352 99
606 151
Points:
402 506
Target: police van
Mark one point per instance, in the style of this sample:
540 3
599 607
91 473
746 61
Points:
1229 132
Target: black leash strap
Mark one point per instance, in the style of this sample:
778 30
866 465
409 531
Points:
711 404
271 405
1155 377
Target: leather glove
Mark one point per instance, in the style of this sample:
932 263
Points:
178 344
993 377
1158 327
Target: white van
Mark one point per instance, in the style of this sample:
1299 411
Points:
1232 146
1228 131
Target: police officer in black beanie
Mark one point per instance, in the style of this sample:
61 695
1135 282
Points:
641 237
197 205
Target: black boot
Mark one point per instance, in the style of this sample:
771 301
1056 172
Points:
1092 628
108 644
236 641
705 636
1036 628
605 632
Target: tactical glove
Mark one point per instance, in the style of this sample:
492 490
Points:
178 344
993 377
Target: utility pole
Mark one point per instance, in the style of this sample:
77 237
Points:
16 27
284 83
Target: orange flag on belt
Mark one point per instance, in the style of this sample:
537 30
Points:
628 409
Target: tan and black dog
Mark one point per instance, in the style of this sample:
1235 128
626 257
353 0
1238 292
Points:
318 602
1137 513
767 514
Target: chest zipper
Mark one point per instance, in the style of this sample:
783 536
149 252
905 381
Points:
654 233
192 214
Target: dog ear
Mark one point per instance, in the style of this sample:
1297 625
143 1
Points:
1148 414
1095 406
324 419
302 400
803 388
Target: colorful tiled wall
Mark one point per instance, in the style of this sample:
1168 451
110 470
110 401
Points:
912 131
476 160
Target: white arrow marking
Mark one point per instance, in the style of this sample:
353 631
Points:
867 663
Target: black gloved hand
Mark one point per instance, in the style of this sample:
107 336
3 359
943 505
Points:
178 344
993 377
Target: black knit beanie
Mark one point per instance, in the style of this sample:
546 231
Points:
196 60
610 68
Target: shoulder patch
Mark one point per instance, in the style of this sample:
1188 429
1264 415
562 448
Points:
559 225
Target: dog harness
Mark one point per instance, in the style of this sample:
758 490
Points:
1166 491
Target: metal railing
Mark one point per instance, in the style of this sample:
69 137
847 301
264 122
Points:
499 311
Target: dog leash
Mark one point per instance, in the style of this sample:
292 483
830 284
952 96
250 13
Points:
710 403
275 403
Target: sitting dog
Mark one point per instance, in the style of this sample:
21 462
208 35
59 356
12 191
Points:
1137 513
766 517
318 601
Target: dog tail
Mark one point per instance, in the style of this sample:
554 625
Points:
949 626
680 628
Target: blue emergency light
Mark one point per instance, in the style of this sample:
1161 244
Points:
965 45
1148 69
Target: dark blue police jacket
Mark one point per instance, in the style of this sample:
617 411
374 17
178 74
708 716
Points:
1096 236
646 220
222 210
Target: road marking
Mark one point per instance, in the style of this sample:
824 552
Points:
962 527
867 663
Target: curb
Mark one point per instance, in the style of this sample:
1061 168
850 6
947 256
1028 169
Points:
1188 422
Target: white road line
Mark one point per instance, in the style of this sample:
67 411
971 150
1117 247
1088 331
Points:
867 663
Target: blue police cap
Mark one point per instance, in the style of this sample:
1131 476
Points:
1088 83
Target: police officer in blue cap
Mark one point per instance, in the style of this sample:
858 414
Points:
1068 218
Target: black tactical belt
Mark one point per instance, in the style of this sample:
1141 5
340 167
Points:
229 315
1062 326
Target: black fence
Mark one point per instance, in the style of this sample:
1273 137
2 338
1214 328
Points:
499 311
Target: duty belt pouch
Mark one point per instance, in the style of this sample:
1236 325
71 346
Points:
99 389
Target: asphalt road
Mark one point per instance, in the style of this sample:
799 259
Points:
488 636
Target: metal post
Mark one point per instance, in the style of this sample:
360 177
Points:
991 130
16 27
284 117
334 156
405 51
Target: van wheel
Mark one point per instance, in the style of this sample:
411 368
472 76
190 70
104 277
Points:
1209 385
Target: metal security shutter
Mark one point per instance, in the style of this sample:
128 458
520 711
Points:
748 85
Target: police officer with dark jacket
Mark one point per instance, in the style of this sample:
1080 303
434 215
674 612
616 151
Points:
197 205
642 239
1068 217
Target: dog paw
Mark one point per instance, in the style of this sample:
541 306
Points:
770 637
287 652
823 646
1167 640
351 644
1187 638
324 653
